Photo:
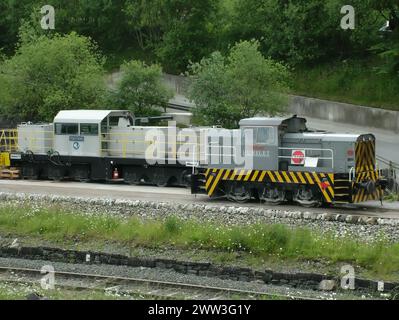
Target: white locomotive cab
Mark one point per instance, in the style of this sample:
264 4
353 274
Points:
85 133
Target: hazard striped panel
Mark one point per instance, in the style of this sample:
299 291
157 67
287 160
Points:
365 171
365 156
325 181
362 195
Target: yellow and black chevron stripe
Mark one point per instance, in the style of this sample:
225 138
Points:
365 156
325 181
362 195
366 170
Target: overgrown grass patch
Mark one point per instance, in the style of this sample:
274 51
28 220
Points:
260 240
350 81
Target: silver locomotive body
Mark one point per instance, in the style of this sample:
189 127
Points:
287 161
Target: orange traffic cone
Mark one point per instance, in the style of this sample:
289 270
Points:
115 174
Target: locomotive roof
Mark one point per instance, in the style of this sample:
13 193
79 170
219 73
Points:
86 116
331 136
262 121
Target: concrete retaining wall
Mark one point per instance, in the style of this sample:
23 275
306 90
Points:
345 113
205 269
316 108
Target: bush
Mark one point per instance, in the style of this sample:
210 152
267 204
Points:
140 90
241 85
50 74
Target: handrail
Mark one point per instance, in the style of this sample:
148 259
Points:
352 172
388 162
8 140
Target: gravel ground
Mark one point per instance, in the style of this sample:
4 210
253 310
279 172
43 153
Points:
367 229
171 276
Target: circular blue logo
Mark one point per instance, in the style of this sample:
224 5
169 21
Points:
76 145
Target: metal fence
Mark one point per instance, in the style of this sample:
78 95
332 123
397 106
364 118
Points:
8 140
390 170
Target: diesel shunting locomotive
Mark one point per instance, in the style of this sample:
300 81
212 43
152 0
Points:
283 159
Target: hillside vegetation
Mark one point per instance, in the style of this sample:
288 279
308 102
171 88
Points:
358 65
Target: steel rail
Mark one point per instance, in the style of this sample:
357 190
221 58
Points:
169 284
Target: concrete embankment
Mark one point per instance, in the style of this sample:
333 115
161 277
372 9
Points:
321 109
345 113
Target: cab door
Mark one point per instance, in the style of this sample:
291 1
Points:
265 148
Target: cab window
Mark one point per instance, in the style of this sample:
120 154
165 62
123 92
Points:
265 135
66 128
89 129
113 121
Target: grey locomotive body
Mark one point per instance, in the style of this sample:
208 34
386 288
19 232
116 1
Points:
290 162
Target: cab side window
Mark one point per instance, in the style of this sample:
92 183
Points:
265 135
66 128
113 121
89 129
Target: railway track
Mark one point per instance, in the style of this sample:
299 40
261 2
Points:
138 286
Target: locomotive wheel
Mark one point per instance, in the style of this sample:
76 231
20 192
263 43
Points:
272 195
238 193
56 174
186 179
131 178
307 198
80 173
162 183
160 180
30 173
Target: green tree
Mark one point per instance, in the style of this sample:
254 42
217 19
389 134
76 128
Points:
388 47
140 89
190 33
49 74
305 31
178 31
243 84
12 12
146 19
102 20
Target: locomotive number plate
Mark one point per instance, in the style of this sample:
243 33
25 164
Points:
77 138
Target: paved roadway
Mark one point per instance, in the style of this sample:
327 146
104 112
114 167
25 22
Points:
171 195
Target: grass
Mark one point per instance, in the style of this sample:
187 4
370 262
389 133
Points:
260 240
350 81
392 197
20 291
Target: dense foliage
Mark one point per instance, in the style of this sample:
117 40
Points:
48 74
304 34
179 31
298 31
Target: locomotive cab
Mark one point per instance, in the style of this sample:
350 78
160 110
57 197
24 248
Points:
266 136
82 132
